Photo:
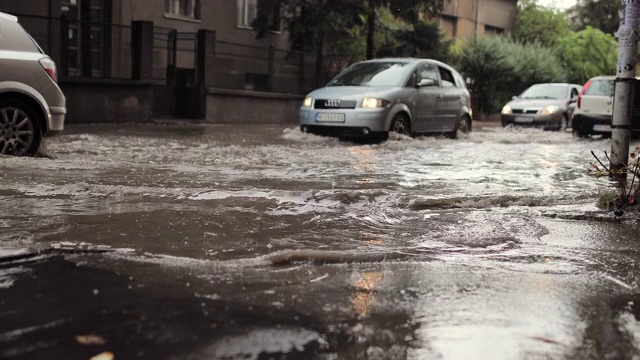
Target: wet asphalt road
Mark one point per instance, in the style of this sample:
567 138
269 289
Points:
178 241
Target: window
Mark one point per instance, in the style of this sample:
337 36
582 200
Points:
492 30
183 8
248 11
574 93
428 72
601 87
447 77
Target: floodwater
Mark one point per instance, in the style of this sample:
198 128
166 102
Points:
488 246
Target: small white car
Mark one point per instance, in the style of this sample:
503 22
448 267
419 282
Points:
594 108
31 102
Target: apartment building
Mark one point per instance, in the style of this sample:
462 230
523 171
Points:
137 59
462 19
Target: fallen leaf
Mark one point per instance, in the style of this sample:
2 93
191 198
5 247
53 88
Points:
107 355
90 340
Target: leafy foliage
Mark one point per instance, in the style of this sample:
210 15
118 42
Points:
344 25
424 39
539 25
599 14
501 68
588 53
485 61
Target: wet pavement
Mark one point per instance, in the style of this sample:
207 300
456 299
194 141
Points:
192 241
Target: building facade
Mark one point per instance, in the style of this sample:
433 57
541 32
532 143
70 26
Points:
136 59
463 19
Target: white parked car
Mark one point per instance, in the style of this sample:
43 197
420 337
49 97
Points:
31 102
594 107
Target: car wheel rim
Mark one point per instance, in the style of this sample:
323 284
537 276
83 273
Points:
16 131
464 126
400 127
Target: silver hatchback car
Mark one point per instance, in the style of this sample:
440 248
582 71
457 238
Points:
31 102
407 96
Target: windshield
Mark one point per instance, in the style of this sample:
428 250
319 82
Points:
600 88
545 91
372 74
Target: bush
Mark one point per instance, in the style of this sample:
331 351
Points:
500 68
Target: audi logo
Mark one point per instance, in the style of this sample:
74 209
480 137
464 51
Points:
332 103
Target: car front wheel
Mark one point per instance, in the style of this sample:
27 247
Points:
563 124
401 125
20 132
579 134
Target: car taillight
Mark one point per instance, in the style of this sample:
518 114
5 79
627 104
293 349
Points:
584 88
50 67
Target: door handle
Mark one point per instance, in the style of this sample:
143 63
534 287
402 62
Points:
440 97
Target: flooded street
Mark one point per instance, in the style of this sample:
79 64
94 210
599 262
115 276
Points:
174 241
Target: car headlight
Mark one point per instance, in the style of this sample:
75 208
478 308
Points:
548 109
506 110
307 102
370 103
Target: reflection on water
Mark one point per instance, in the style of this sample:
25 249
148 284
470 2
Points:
364 297
492 270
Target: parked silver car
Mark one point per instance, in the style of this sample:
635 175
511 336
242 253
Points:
31 103
549 106
372 98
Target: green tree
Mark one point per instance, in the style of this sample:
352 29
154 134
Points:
311 22
400 38
588 53
485 61
413 11
500 68
599 14
538 24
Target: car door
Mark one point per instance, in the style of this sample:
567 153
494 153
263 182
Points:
450 100
427 96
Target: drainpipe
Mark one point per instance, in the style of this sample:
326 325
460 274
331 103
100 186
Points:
475 32
624 85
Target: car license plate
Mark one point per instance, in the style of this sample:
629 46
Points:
601 127
328 117
523 119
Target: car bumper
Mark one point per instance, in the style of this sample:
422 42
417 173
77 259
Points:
351 120
591 124
55 122
531 120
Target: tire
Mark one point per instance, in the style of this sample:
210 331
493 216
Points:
20 132
462 127
401 125
564 123
579 134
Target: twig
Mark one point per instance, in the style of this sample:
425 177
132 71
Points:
600 162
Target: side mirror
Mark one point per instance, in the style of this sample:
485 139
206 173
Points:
426 82
514 97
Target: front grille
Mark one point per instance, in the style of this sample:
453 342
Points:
521 111
334 104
